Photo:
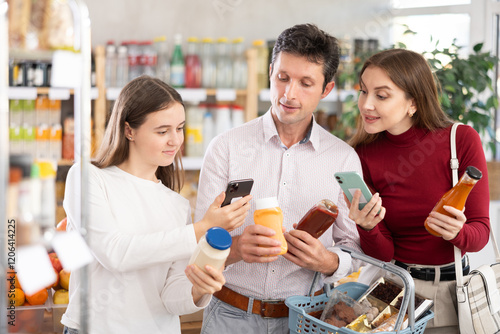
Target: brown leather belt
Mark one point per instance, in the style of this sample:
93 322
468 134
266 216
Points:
264 308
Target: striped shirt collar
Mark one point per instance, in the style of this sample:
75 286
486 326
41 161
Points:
270 131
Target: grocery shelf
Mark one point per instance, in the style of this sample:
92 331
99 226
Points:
31 93
194 95
335 95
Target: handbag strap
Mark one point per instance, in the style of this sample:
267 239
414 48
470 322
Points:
454 163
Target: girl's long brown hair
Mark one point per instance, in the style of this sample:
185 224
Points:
410 72
139 98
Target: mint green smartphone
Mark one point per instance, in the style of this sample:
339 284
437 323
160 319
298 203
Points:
352 181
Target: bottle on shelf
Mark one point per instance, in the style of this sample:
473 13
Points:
240 69
194 131
208 64
262 66
55 140
212 249
456 196
177 66
122 76
224 64
222 118
268 213
163 59
29 130
134 69
148 58
193 64
237 115
42 127
110 64
208 127
15 125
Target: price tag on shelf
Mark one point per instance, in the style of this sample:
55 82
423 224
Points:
225 94
59 94
71 250
34 269
193 95
22 93
112 93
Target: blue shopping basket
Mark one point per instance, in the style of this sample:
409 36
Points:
300 322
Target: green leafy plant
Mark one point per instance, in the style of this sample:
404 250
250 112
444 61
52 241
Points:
467 88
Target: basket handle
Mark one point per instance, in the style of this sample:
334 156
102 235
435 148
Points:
409 285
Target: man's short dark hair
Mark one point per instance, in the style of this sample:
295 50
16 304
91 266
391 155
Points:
307 40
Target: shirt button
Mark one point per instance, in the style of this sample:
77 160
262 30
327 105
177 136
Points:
284 183
272 270
287 154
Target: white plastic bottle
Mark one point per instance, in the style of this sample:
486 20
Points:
222 118
110 64
208 127
212 249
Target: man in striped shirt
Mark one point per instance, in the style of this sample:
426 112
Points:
292 158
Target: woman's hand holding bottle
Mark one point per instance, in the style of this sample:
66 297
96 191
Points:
228 217
372 214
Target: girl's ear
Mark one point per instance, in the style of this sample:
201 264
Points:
128 130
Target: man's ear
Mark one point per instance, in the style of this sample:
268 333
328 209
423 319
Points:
328 89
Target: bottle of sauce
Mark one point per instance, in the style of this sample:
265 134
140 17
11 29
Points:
268 213
319 218
457 195
212 249
193 64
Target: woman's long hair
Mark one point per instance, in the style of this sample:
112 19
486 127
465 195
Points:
139 98
410 72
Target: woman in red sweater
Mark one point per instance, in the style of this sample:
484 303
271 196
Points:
403 142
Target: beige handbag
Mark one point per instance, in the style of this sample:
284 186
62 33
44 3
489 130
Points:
478 294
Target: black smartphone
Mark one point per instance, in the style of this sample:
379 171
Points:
237 189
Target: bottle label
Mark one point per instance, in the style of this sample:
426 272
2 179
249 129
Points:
177 75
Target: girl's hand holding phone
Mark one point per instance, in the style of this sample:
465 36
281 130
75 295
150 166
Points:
228 217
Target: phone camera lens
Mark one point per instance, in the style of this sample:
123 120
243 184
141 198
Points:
234 188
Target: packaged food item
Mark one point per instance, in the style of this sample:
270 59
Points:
212 249
319 218
341 310
268 213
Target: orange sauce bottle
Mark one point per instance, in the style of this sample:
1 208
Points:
457 195
268 213
319 218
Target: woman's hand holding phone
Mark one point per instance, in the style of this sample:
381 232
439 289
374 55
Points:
364 208
372 213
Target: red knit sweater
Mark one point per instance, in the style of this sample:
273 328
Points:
411 172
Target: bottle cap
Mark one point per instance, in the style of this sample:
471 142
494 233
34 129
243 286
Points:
266 203
474 173
218 238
